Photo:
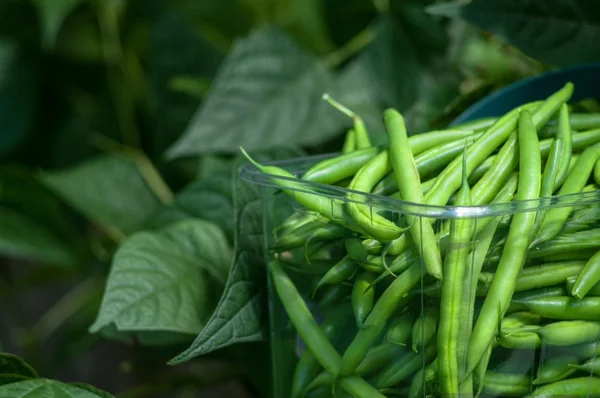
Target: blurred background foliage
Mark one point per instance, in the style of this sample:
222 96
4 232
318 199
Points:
120 126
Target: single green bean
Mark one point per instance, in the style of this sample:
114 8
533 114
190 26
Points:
403 367
400 329
515 250
334 294
593 291
361 135
314 337
362 296
349 142
555 369
552 291
340 272
455 268
565 333
577 387
519 338
567 308
504 384
588 278
592 366
565 137
424 329
327 207
567 243
409 186
338 168
537 276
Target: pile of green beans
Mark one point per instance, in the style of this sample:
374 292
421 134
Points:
371 298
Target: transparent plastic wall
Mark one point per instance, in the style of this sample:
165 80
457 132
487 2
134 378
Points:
520 320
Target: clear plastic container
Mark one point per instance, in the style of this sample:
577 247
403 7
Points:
537 343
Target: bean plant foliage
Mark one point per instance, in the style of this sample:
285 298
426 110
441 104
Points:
121 123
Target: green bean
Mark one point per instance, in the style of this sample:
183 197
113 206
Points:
593 291
424 329
448 181
520 338
555 369
349 142
361 135
564 243
564 307
515 250
586 350
481 369
506 383
306 233
455 267
327 207
355 249
403 367
478 124
545 275
424 376
551 170
569 332
580 121
519 319
409 185
592 366
387 304
334 294
555 218
400 329
597 172
552 291
312 334
588 278
565 137
362 296
307 365
427 162
577 387
340 272
469 293
332 170
364 180
376 358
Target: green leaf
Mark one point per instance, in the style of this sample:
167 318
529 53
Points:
92 389
22 237
18 95
239 316
209 198
176 50
52 14
163 281
553 31
46 388
267 94
13 364
109 189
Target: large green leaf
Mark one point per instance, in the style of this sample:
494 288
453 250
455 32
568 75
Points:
267 94
13 364
239 316
178 57
553 31
52 14
108 189
407 39
46 388
18 95
165 281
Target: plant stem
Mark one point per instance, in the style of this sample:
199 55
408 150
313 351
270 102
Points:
353 47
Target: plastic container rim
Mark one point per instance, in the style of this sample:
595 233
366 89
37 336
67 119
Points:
253 175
